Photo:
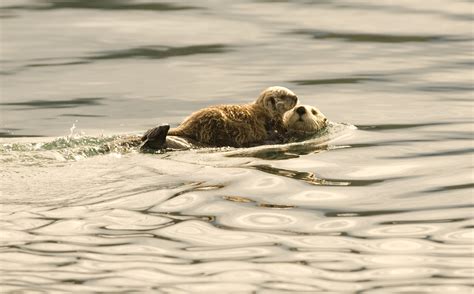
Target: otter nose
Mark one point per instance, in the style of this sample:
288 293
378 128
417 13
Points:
301 110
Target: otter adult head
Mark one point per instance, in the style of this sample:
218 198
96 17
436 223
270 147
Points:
304 119
277 100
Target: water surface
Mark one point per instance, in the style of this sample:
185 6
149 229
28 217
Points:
386 207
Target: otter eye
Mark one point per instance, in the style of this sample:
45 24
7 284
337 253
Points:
314 112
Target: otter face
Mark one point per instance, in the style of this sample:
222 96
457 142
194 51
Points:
305 119
277 100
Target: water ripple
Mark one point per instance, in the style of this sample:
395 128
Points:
199 233
312 179
385 207
462 236
374 38
146 52
415 230
101 5
264 220
351 80
451 187
47 104
389 127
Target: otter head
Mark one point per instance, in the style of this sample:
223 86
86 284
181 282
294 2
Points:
277 100
304 119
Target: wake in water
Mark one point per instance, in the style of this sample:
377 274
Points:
64 149
312 144
78 146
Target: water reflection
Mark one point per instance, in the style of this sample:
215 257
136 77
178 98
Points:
386 207
311 178
72 103
150 52
451 187
102 5
351 80
282 153
387 127
10 133
82 115
377 38
440 153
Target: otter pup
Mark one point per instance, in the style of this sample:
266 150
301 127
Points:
239 125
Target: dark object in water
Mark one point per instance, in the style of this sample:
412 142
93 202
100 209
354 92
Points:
155 138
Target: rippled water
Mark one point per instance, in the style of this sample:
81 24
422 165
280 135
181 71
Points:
386 207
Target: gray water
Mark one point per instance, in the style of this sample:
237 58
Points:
384 207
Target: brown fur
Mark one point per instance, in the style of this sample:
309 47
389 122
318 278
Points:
227 125
239 125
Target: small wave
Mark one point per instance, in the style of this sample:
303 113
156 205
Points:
144 52
375 38
101 5
45 104
63 149
316 143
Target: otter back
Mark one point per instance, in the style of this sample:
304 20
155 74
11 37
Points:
227 125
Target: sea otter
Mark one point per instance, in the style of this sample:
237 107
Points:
303 121
299 123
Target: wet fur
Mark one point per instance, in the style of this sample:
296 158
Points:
228 125
239 125
309 123
297 126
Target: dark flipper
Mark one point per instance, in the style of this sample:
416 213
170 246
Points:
155 139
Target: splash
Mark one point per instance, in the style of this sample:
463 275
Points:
72 147
71 133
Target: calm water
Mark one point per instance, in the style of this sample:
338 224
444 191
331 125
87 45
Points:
386 207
